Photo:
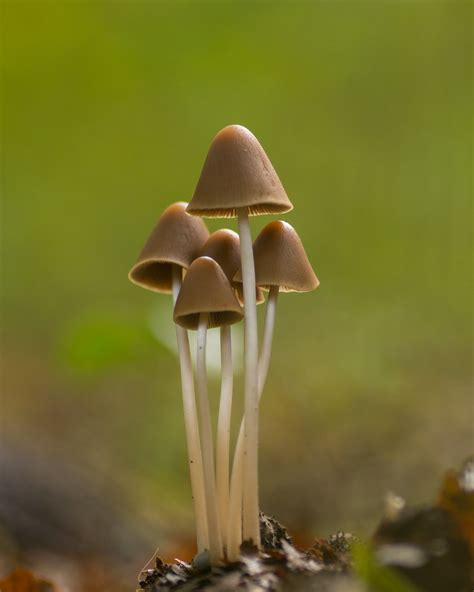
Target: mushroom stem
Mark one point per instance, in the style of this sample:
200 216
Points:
223 429
250 515
234 533
234 524
268 328
191 424
215 539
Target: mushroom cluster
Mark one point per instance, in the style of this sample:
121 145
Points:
217 280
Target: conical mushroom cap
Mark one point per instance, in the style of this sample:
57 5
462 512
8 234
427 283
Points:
176 240
238 174
224 247
206 289
280 260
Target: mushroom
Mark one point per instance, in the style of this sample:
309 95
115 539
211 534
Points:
281 265
206 300
173 244
224 247
238 179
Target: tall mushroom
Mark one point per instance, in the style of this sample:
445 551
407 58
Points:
224 247
207 300
238 179
172 246
281 265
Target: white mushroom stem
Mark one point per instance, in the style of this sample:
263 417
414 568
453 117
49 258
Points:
191 424
234 531
215 538
223 429
250 515
268 328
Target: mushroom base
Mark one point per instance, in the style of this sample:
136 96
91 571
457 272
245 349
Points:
404 555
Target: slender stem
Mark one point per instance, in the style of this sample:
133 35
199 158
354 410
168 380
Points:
191 425
250 515
234 534
234 525
223 429
215 539
268 328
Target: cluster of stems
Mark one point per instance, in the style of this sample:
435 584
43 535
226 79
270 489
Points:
231 507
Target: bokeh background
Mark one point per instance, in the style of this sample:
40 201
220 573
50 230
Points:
108 108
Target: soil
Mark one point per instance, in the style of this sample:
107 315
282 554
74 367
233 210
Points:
426 549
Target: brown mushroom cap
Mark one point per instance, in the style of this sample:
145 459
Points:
206 289
238 174
224 247
280 260
176 240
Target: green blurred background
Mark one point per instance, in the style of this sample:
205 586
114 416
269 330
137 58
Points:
108 108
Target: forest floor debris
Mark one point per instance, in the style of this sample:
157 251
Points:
426 549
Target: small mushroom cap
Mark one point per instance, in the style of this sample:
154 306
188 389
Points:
224 247
176 240
238 174
206 289
280 260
